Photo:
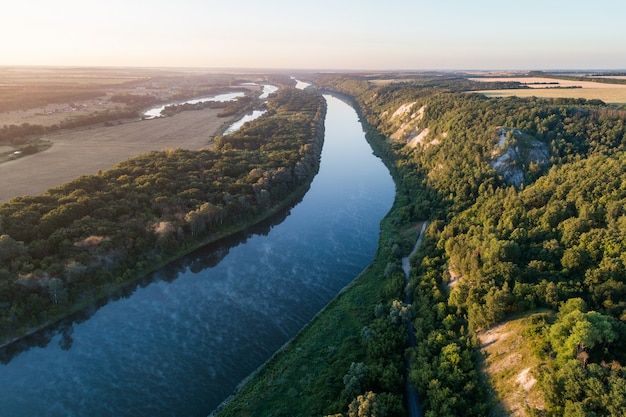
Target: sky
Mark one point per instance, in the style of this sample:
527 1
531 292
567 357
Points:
316 34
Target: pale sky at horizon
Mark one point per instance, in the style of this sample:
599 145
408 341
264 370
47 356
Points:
316 34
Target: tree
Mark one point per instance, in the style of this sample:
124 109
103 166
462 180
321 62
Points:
576 333
57 291
366 405
10 248
353 380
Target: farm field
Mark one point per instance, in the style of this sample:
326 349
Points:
49 97
540 87
88 150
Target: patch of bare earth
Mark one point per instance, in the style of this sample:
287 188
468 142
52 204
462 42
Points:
86 151
511 368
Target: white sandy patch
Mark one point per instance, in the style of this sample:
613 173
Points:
526 380
419 138
402 110
493 334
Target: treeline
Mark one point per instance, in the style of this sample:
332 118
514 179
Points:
21 134
597 78
77 242
493 250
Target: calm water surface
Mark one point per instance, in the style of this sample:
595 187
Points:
255 114
179 343
156 111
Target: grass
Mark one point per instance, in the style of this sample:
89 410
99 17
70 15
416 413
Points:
512 365
302 378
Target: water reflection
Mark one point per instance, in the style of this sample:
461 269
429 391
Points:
195 262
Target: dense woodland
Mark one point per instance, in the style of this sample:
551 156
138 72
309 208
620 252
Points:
80 241
556 243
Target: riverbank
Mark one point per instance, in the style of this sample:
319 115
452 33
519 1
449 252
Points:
304 373
208 321
111 290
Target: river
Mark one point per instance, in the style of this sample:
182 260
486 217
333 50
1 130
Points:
156 111
255 114
180 342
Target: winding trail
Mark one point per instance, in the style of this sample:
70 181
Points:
413 406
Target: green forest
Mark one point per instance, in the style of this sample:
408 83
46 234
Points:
555 242
79 242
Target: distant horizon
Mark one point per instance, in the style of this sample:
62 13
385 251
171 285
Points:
270 69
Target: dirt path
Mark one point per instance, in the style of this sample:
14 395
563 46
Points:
406 266
413 406
86 151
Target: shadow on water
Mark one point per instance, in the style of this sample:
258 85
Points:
200 259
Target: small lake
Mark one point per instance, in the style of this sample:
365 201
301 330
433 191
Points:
180 342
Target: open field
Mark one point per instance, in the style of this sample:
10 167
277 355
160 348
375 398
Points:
613 96
47 96
511 366
54 113
539 87
547 83
85 76
86 151
52 96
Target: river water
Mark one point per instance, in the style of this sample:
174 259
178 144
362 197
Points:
180 342
156 111
255 114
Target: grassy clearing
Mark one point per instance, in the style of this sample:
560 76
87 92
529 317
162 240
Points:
511 364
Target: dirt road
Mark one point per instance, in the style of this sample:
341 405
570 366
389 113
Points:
413 406
86 151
